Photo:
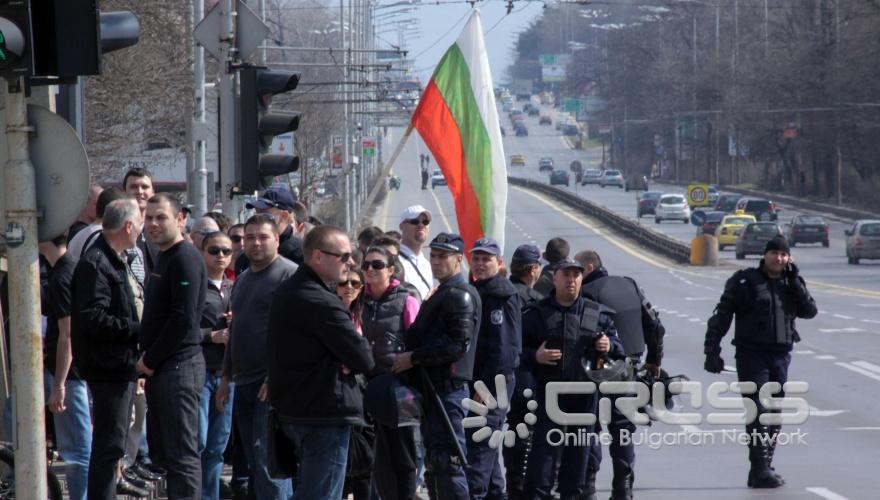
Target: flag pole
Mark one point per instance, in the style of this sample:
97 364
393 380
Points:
386 169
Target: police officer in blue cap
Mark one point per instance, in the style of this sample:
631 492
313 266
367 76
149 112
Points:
498 349
442 341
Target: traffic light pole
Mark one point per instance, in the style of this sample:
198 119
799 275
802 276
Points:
197 173
24 300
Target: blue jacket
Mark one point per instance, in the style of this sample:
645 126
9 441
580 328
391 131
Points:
500 338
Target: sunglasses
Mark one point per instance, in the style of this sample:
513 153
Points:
416 222
343 257
353 283
236 238
218 250
377 265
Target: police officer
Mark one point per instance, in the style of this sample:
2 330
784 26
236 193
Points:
498 349
525 268
558 334
556 250
442 342
765 300
639 328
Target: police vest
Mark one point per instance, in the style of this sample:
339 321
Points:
621 294
573 335
765 320
382 322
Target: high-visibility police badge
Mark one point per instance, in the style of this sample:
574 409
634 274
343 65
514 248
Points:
497 316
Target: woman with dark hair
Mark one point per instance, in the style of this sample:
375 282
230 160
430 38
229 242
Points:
350 293
389 310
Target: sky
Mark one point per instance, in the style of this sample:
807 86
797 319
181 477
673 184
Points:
441 25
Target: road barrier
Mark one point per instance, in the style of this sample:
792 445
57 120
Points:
642 235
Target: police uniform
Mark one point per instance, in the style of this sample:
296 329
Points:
573 330
498 350
637 332
765 309
443 343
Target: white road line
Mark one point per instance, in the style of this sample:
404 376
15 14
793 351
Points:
872 321
871 305
841 316
682 315
856 369
672 312
825 357
804 352
859 429
815 412
849 329
825 493
867 366
694 320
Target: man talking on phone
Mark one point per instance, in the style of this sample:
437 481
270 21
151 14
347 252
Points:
765 300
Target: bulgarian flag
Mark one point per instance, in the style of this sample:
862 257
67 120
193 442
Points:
457 119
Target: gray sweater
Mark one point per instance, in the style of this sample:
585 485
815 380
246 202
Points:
252 294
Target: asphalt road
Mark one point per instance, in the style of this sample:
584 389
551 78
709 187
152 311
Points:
839 357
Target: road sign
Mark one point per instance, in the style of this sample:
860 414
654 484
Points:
336 160
61 167
282 144
250 31
207 32
698 217
698 195
368 146
571 105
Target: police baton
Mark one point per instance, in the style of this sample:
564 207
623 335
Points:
446 422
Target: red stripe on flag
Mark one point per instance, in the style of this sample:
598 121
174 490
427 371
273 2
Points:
440 132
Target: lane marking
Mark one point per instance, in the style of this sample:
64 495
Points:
825 493
841 330
872 321
841 316
694 320
805 352
826 357
856 369
867 366
859 429
815 412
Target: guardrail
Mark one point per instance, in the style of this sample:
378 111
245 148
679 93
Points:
642 235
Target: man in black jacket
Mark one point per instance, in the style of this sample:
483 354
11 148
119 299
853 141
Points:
556 250
171 338
498 348
443 342
279 203
766 300
107 305
314 353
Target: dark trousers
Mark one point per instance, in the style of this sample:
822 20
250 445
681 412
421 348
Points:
623 457
485 479
173 394
111 414
394 469
761 367
515 456
444 473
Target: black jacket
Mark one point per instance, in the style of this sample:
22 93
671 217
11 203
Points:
216 305
382 323
528 297
314 353
545 282
765 311
500 338
105 320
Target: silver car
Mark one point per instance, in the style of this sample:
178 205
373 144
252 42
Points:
863 241
753 239
612 178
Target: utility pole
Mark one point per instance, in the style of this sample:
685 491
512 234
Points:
24 298
349 215
227 110
197 185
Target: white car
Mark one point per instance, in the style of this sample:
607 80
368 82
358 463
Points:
672 206
612 178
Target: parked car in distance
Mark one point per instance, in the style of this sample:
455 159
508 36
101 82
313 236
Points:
591 176
727 202
672 206
863 241
612 178
711 222
646 202
559 177
545 163
728 230
518 160
754 238
545 120
763 210
437 179
807 229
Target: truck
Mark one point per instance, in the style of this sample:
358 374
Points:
521 89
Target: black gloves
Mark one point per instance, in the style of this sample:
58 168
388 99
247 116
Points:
713 364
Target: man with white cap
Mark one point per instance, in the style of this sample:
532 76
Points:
414 224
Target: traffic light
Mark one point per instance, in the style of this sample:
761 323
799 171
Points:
258 125
16 56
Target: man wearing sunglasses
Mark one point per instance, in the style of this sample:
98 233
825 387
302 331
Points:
279 204
414 224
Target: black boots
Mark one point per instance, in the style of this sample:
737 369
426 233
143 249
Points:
761 475
622 486
590 486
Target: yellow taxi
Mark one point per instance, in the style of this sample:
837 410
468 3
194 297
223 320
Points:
730 227
518 160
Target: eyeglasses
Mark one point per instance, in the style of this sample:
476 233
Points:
353 283
416 222
218 250
236 238
375 264
343 257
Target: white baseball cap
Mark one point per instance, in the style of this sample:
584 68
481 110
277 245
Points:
413 212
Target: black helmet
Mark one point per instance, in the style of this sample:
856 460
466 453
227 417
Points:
646 377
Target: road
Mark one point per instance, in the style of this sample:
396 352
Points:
839 356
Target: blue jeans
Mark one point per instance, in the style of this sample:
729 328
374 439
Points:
252 416
444 474
73 435
322 451
214 428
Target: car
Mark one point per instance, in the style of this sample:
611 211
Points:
711 220
754 237
612 178
527 107
727 202
728 230
437 179
570 130
559 177
534 111
807 229
514 113
521 130
646 202
545 163
518 160
672 206
863 241
545 120
763 210
591 176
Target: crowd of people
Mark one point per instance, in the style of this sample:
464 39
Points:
175 344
